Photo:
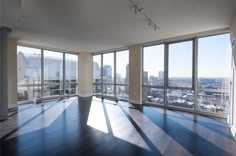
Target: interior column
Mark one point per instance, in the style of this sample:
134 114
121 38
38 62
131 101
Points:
3 73
135 74
85 74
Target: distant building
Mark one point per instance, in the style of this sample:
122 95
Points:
161 75
29 75
96 72
119 78
145 77
107 73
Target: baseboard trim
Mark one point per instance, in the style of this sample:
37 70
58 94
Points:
135 102
233 131
85 95
11 106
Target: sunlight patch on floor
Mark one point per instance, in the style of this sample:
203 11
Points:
155 134
96 118
122 128
207 134
39 117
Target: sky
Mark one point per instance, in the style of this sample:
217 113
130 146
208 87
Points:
213 58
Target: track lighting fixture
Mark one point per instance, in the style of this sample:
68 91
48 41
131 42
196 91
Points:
137 9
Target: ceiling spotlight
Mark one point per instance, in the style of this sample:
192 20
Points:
149 21
140 10
134 5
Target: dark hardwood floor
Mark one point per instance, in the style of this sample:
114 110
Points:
86 126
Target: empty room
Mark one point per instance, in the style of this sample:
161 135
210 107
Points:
118 77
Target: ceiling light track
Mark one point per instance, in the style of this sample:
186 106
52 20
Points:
140 10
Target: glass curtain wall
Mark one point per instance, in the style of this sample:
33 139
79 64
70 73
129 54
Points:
122 74
110 74
44 73
153 74
197 74
97 78
214 73
180 75
53 73
71 74
28 73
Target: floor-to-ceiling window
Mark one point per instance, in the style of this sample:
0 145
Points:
180 74
192 74
110 74
153 74
71 74
43 73
28 73
214 73
53 73
122 74
97 78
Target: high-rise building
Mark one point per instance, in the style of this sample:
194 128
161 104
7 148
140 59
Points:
145 77
107 73
161 75
96 72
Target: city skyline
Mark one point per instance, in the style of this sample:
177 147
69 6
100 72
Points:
219 55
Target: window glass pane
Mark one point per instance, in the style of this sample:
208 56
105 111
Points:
71 88
214 73
71 74
108 68
108 90
122 67
52 89
28 65
53 73
180 64
97 89
180 98
71 68
217 102
28 73
28 93
153 65
97 69
153 95
122 92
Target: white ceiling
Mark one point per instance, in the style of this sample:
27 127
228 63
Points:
95 25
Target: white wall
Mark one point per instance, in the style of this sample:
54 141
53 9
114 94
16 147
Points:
12 73
135 74
85 74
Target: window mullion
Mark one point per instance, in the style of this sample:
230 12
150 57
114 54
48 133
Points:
42 73
166 56
195 74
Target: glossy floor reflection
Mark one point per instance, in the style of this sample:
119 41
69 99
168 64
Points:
90 127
